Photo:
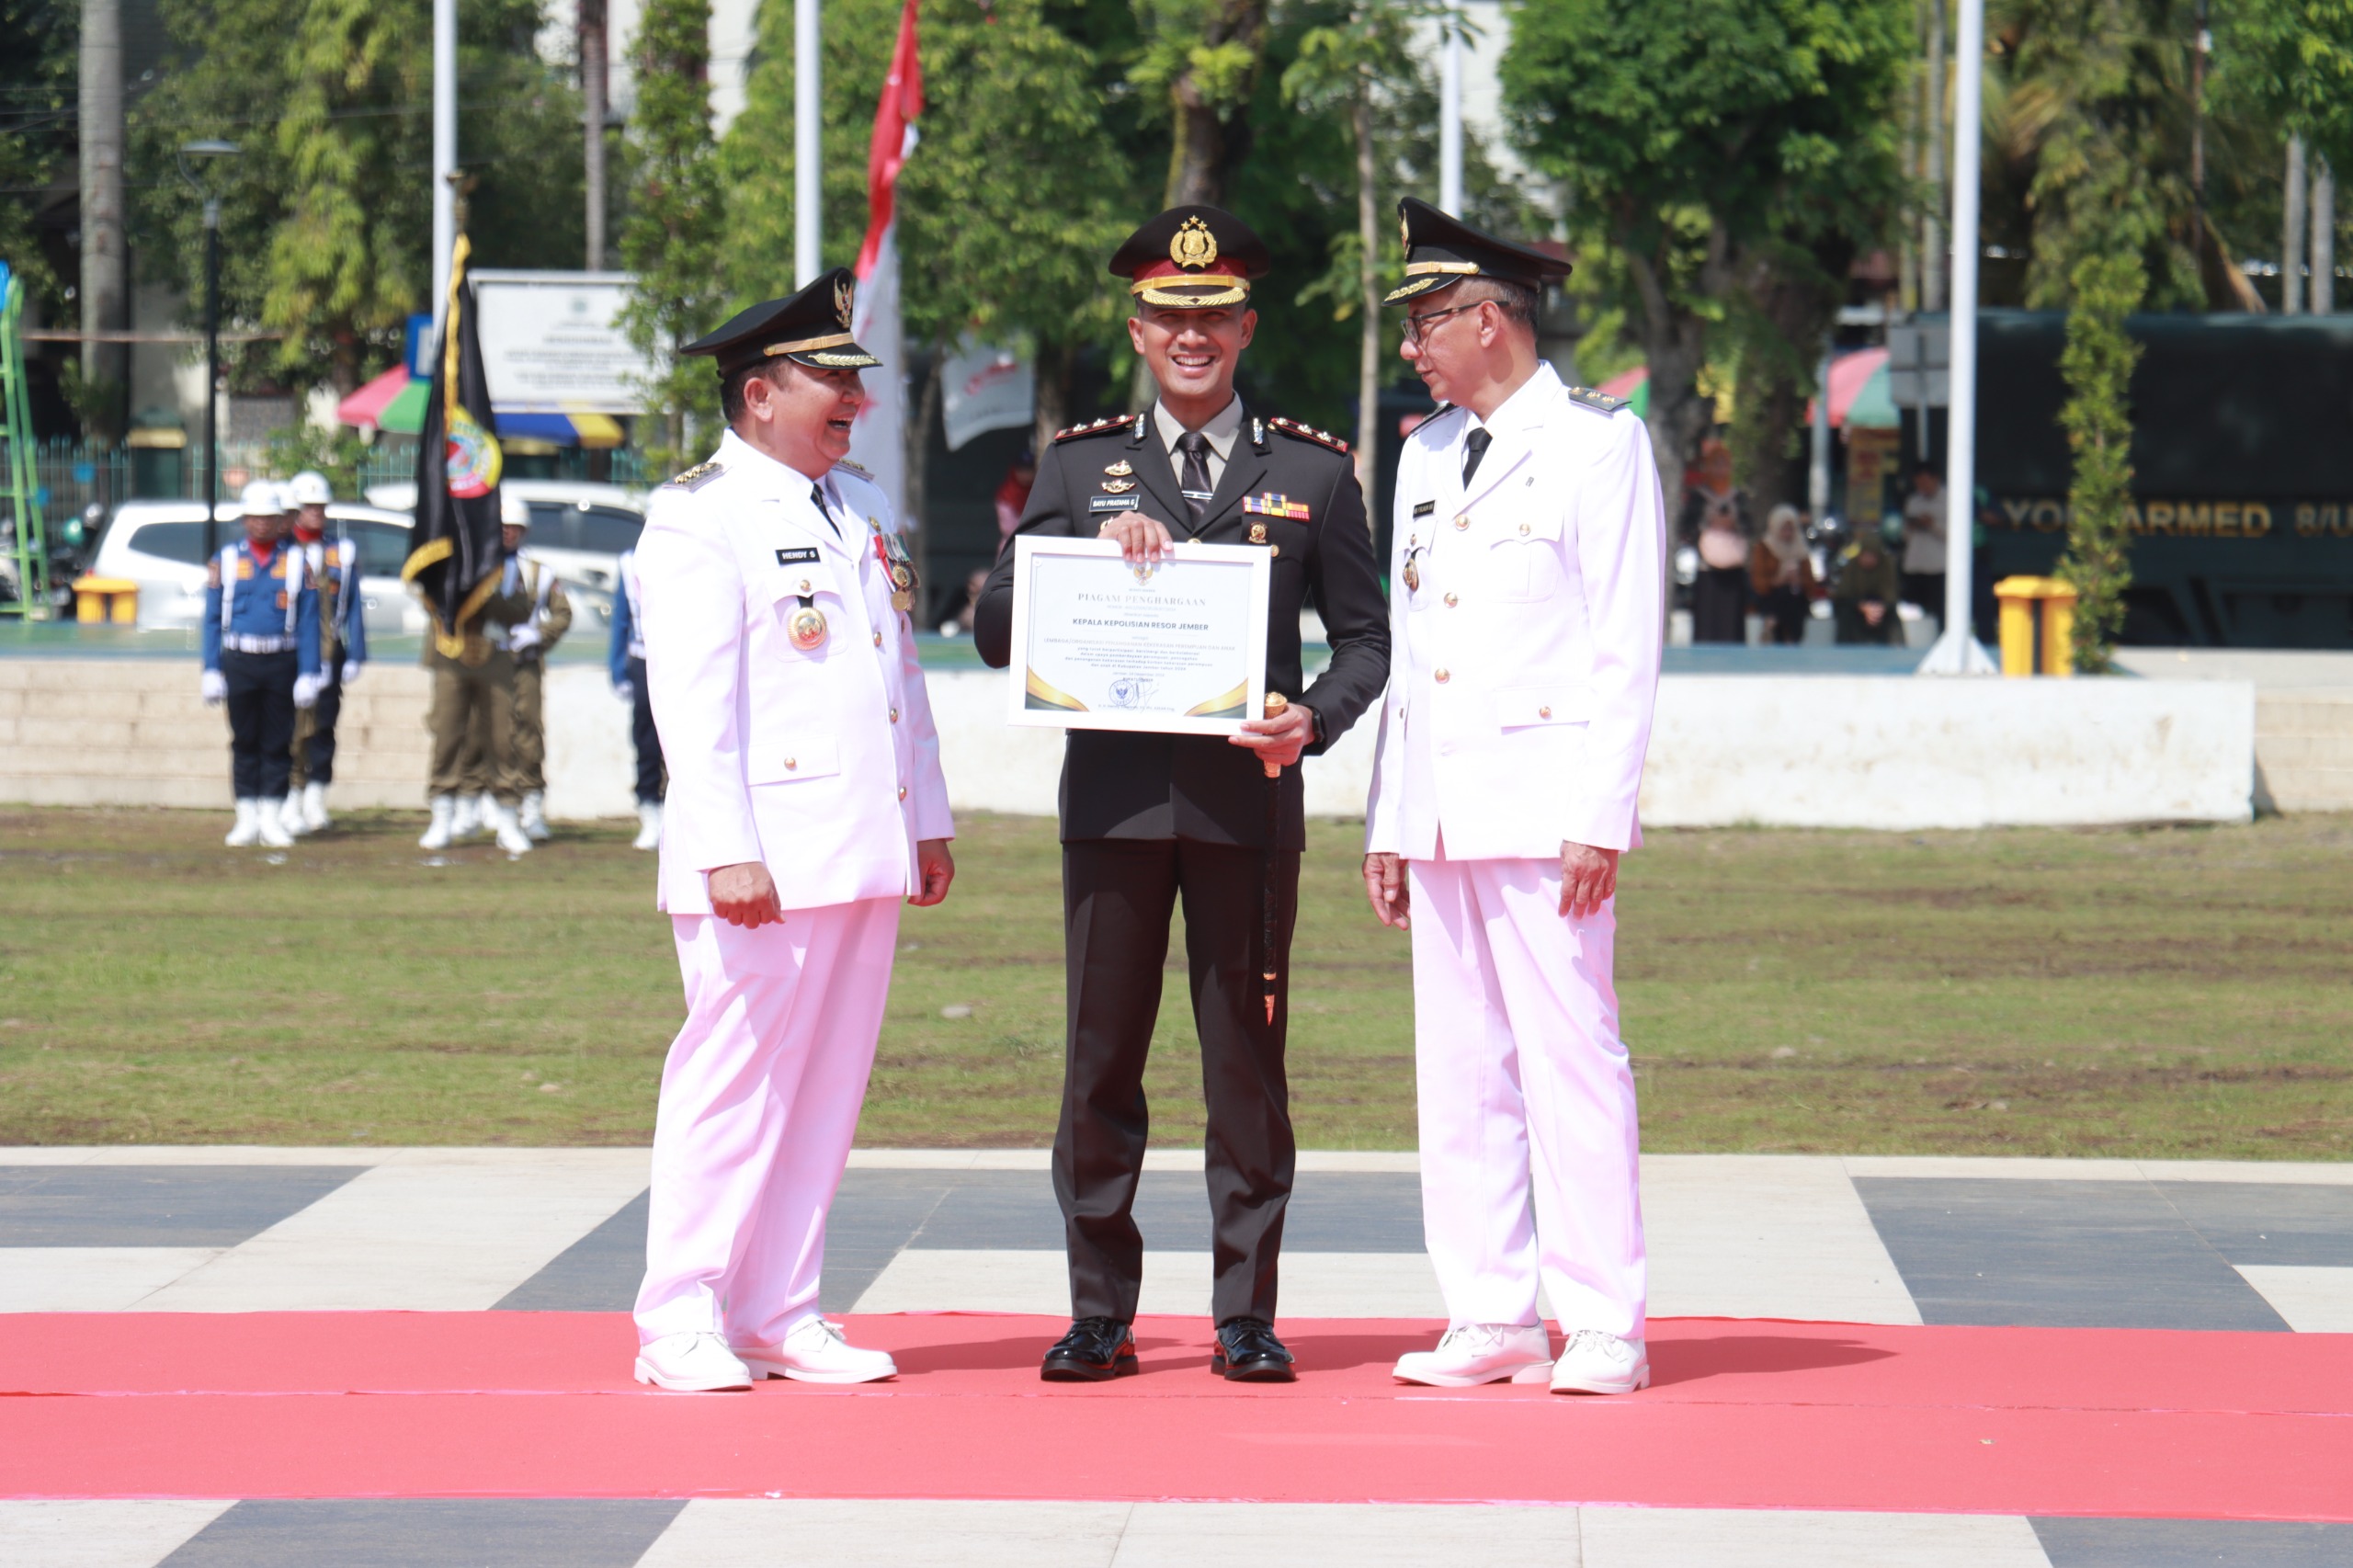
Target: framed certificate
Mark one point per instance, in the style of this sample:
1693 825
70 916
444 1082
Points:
1178 645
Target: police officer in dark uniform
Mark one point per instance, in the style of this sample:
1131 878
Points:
1148 819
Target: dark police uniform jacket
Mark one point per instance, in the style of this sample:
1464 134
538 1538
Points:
1285 487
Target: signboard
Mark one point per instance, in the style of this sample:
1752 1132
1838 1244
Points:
552 342
985 389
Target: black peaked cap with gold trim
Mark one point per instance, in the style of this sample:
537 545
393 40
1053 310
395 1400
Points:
1441 251
812 327
1194 258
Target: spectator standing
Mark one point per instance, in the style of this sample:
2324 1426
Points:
1780 574
1013 496
334 565
1867 591
626 660
1720 597
1924 540
261 659
523 770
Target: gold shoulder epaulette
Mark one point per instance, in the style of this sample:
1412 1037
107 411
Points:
855 468
1095 427
1601 403
1309 433
698 476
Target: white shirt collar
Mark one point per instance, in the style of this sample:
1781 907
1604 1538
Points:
1518 409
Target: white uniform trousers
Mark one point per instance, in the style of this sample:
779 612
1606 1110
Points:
760 1098
1528 1129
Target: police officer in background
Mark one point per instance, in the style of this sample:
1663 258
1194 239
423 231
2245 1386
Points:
625 657
472 720
1529 608
521 771
782 670
261 658
1148 819
343 647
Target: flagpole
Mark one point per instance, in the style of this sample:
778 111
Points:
1957 652
808 123
445 148
1450 110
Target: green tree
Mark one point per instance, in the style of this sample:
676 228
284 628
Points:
37 89
1200 67
2291 60
671 236
2098 366
1707 144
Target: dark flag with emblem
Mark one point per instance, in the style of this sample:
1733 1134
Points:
454 559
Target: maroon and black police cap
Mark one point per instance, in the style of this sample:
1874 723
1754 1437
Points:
1193 258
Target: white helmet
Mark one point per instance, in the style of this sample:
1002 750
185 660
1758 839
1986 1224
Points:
264 499
514 511
309 488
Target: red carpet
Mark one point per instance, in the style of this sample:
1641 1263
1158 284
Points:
1745 1413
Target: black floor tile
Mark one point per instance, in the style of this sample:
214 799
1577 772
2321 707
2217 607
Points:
2057 1254
2271 1221
428 1533
2193 1543
135 1206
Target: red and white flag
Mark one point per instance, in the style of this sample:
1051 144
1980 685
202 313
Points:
877 442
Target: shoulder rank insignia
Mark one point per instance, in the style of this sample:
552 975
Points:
1271 504
700 475
1309 433
854 468
1094 427
1601 403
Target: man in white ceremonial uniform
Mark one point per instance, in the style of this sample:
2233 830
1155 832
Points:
1526 615
805 802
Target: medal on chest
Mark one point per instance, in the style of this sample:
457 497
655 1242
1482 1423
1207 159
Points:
898 565
1412 565
806 625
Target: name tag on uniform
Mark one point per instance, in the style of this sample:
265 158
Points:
796 556
1113 503
1425 508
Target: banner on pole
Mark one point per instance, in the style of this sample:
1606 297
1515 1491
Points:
879 440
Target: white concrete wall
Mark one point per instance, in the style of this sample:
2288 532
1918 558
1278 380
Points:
1795 751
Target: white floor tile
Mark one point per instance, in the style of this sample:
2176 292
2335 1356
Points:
91 1279
1765 1235
793 1533
1712 1538
450 1234
1341 1535
99 1535
2314 1301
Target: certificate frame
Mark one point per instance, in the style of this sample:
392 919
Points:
1203 685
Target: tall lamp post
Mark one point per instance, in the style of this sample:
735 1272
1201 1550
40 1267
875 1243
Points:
204 152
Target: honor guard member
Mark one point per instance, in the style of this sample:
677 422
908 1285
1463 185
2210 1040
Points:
1149 821
472 720
1527 613
808 800
343 646
261 658
625 658
522 770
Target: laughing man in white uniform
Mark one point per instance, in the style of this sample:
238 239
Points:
805 802
1526 613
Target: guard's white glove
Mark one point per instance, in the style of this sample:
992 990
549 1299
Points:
215 687
350 671
523 639
625 691
306 690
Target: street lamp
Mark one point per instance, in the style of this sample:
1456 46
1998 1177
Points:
206 152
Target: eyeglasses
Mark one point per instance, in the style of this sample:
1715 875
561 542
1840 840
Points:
1417 328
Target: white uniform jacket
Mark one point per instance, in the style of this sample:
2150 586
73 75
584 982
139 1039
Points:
1526 617
822 763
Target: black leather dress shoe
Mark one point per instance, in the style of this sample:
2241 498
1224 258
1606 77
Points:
1094 1350
1248 1352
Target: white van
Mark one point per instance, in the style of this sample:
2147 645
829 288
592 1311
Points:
160 545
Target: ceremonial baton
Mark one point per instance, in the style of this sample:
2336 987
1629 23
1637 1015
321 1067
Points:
1276 703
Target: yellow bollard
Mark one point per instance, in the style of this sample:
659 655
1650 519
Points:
2058 628
2018 598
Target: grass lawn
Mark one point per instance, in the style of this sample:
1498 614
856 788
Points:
2162 993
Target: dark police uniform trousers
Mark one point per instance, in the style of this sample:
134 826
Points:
261 721
1150 822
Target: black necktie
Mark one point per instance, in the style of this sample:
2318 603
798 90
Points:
817 494
1195 478
1474 447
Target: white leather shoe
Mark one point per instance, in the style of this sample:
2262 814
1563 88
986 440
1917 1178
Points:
1478 1353
315 807
465 819
691 1363
814 1352
1595 1362
271 815
511 837
649 825
248 827
533 815
438 835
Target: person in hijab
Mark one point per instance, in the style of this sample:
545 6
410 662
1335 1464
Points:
1780 574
